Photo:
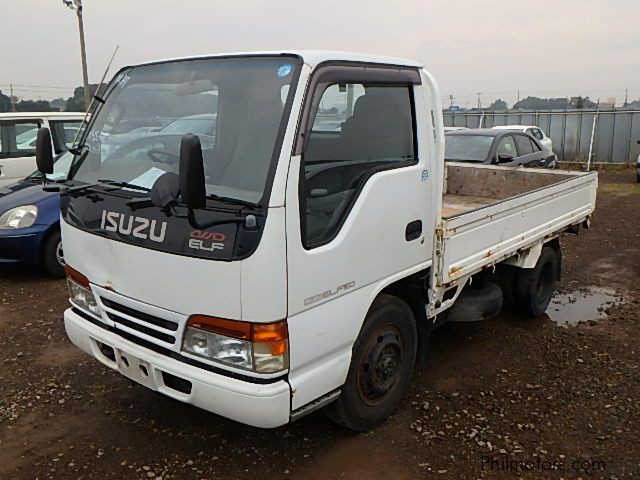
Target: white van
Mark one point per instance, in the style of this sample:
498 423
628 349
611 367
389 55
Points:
18 132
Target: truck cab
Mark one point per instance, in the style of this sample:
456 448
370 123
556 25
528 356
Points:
292 255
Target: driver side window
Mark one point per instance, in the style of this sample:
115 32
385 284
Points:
358 129
507 146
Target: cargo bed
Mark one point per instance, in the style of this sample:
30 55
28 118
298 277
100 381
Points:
492 213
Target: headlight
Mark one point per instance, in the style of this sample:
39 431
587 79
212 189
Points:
19 217
218 347
80 293
260 347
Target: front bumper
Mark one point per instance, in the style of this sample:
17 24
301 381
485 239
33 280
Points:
22 246
259 405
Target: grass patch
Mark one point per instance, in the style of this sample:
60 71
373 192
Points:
620 188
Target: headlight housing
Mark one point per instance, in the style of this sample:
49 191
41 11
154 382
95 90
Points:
259 347
80 292
19 217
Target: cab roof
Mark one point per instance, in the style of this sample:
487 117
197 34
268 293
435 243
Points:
310 57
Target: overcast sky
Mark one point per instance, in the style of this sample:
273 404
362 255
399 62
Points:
543 47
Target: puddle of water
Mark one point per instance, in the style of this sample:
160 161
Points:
572 308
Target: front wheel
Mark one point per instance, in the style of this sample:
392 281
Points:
53 256
381 365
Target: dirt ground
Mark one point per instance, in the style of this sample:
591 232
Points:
507 398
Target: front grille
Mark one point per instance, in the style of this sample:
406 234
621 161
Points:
149 325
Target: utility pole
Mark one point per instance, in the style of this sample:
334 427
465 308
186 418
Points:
479 102
12 98
450 101
518 96
626 97
77 6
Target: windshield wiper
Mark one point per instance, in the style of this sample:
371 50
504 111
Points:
234 201
115 183
102 182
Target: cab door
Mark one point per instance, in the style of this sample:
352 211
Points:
17 149
357 207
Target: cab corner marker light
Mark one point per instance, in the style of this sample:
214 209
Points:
274 334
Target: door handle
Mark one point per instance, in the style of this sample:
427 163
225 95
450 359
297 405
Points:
413 230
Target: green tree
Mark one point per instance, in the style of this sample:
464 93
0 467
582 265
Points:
33 106
582 102
58 104
76 103
535 103
499 104
5 102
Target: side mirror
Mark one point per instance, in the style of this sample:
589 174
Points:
505 158
192 188
44 151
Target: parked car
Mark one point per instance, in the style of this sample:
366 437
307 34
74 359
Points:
535 132
18 133
494 146
30 220
201 124
454 129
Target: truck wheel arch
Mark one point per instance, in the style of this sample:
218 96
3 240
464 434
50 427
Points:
411 291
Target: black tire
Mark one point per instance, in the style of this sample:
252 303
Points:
535 286
381 365
52 258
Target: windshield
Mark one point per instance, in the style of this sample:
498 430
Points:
198 124
234 105
467 148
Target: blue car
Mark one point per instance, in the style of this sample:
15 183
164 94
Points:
30 221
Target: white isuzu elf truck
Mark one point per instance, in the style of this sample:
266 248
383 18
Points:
263 234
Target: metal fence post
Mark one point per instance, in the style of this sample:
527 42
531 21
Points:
593 132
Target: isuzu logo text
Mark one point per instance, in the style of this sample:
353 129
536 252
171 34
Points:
209 241
138 227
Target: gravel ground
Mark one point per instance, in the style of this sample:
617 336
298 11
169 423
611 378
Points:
506 398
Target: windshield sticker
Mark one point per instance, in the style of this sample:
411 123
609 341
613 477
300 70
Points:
284 70
121 80
148 178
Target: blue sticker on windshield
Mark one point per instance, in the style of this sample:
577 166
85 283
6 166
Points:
284 70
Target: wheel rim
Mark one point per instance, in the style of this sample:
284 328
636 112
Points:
544 289
60 254
381 365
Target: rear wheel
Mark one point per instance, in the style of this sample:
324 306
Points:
535 286
381 365
53 255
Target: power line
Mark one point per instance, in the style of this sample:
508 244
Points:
41 91
36 86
